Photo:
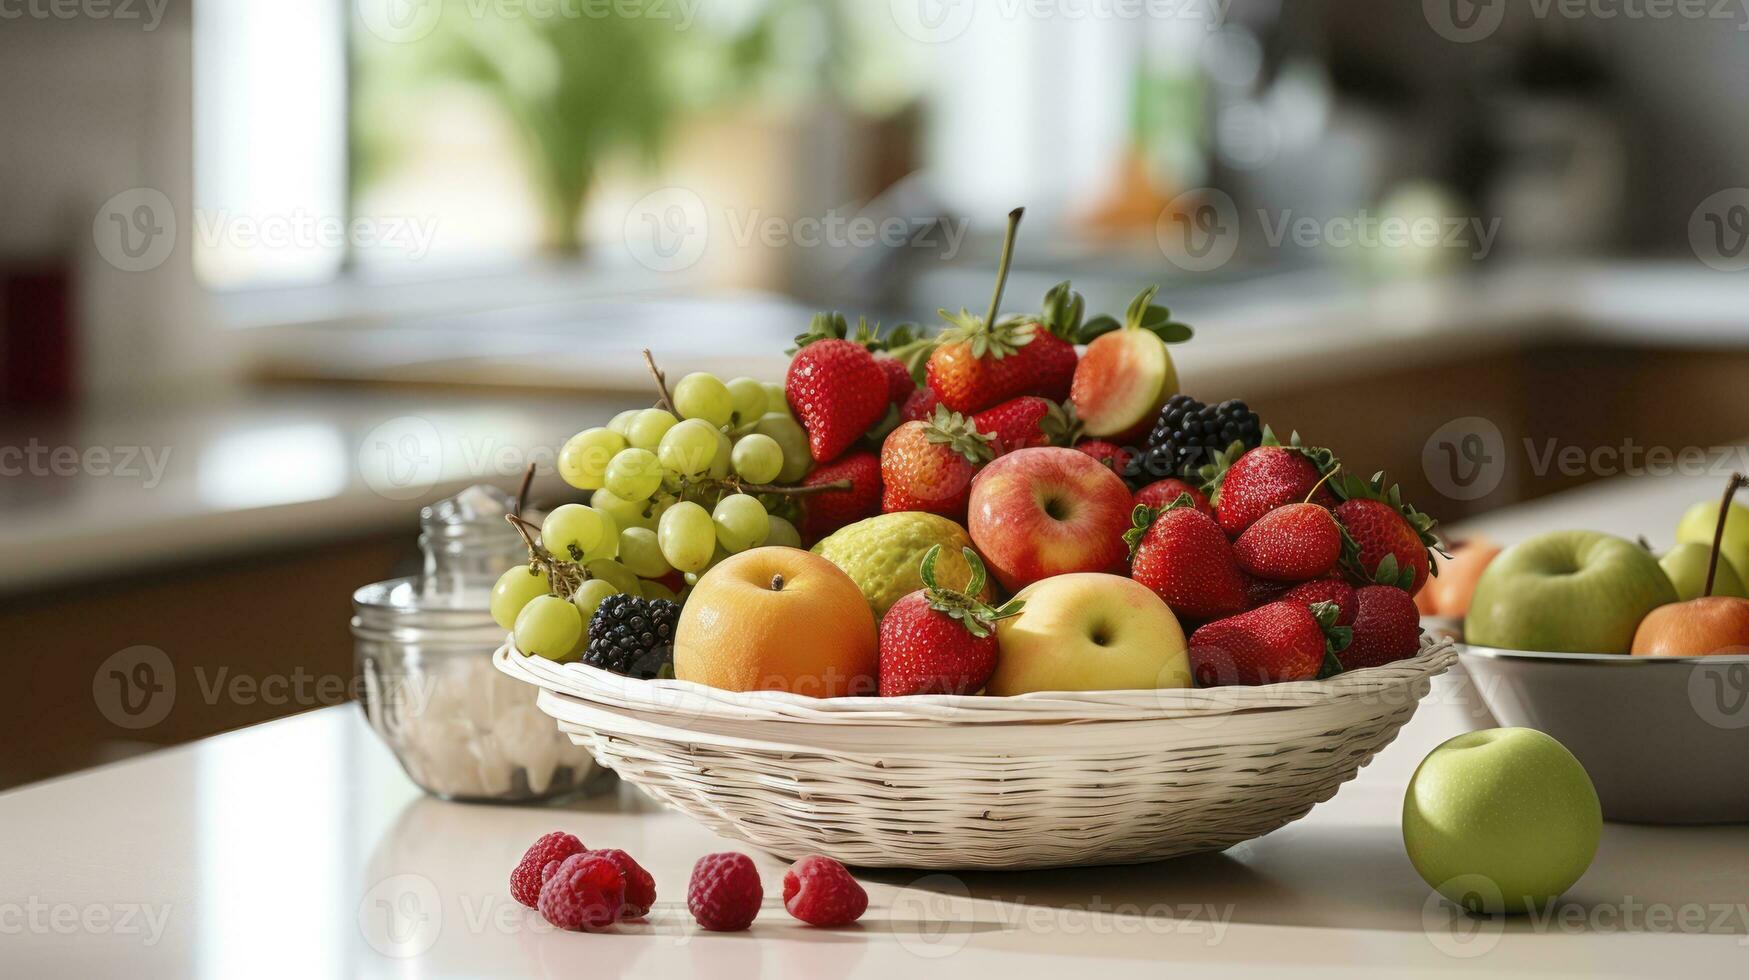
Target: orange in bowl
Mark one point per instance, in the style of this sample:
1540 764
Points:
777 619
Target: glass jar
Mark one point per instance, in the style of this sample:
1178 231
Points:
423 647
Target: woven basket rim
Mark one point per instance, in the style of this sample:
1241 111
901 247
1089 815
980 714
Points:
576 680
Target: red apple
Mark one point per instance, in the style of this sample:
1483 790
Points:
1048 511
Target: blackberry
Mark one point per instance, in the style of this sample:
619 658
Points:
632 636
1190 433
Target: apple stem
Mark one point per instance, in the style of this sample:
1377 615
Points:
1712 565
777 583
1002 269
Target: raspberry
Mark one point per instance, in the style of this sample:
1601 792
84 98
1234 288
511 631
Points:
725 893
525 880
547 872
586 892
640 887
818 891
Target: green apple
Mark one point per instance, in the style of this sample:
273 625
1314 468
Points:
1686 564
1502 820
1701 520
1089 631
1567 591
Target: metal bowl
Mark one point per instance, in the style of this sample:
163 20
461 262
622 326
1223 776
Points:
1665 739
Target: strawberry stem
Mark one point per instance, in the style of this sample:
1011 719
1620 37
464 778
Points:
1712 567
1002 269
1321 480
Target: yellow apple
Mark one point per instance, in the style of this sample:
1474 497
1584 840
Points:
1089 631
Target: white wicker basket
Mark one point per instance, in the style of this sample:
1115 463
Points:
1034 781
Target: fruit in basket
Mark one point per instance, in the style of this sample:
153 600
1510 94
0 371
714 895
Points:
1329 589
777 619
792 439
1109 454
929 465
1089 631
1024 422
837 392
633 474
757 458
919 405
525 878
705 396
825 512
548 627
646 429
1501 821
884 555
1282 641
1126 375
783 534
589 597
941 640
724 894
1386 627
687 536
741 522
1270 476
1395 541
1686 564
1292 543
1568 592
1048 511
1181 555
1162 492
821 892
632 635
748 400
1188 435
689 448
585 893
900 384
514 589
583 458
574 532
1700 521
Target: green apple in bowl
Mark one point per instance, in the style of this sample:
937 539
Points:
1686 564
1089 631
1501 820
1701 520
1568 592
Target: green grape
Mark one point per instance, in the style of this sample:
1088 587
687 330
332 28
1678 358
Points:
776 399
608 546
634 474
623 420
656 590
722 460
757 458
792 440
615 574
588 599
689 448
548 627
741 522
583 458
783 534
647 429
702 396
659 506
625 513
514 589
748 397
572 531
691 578
640 552
687 536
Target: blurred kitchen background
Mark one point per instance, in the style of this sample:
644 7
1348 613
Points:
274 275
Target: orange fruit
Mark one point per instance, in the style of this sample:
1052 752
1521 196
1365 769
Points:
777 619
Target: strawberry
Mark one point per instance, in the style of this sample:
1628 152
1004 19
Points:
1262 592
1283 641
823 513
920 405
1267 477
1331 588
1024 422
1162 492
1181 554
1393 543
900 384
940 641
837 393
929 465
1114 457
1387 627
1291 543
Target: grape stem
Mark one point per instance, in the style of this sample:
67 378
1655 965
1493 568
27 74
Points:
661 383
567 577
522 493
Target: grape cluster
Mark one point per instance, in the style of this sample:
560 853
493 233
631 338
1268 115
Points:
672 493
1189 434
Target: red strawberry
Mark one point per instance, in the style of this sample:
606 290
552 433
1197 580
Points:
1387 627
1291 543
823 513
1024 422
1283 641
1181 554
1162 492
900 384
1115 458
837 392
1394 542
940 641
1266 478
1262 592
1331 588
920 405
929 465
